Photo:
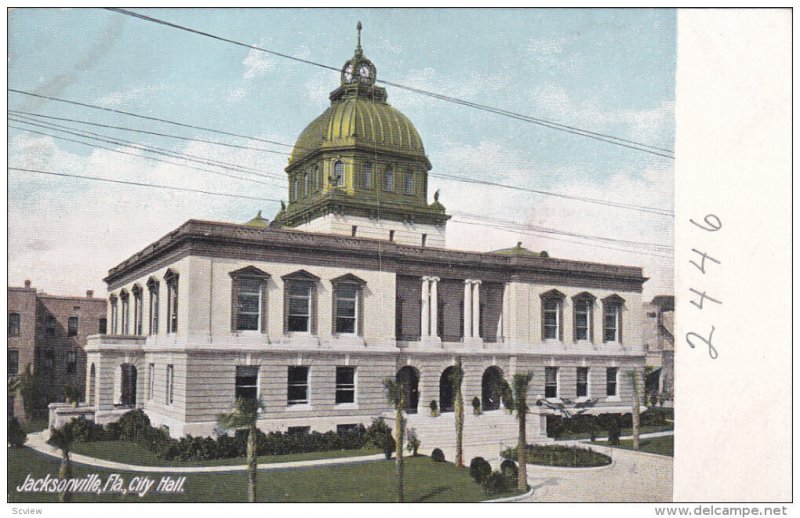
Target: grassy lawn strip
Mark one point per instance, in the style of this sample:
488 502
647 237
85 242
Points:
659 445
132 453
37 424
624 432
426 481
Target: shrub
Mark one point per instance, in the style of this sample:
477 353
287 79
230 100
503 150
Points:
507 395
434 407
72 394
437 455
84 430
496 483
133 424
509 470
413 442
16 434
479 469
380 435
36 393
476 404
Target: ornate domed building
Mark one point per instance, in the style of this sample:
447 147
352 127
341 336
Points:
360 168
348 285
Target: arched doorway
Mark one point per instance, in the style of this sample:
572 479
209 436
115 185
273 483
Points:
128 385
92 383
409 377
491 388
446 392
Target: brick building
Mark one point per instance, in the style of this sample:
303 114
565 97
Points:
49 333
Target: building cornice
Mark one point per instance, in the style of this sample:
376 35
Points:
214 239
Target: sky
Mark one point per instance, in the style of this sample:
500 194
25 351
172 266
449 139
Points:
609 71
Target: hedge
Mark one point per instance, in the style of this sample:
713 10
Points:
561 456
135 426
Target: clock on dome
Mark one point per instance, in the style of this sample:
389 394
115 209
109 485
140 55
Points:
358 69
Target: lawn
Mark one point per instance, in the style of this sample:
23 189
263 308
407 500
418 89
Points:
659 445
426 481
36 424
132 453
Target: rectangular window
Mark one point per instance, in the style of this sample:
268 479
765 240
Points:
72 362
424 239
14 323
246 382
125 317
248 317
154 308
50 325
391 235
409 183
137 312
582 383
299 299
114 316
72 326
151 380
48 359
172 305
102 326
298 430
611 381
346 303
353 231
343 429
345 385
611 323
551 319
170 384
13 362
582 320
551 382
298 386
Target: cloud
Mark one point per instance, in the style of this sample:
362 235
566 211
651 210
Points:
258 63
123 97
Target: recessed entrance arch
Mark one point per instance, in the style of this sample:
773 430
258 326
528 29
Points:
491 388
446 392
127 384
409 377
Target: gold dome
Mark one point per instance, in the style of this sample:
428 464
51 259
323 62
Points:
359 121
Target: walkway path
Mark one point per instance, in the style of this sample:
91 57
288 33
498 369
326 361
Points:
38 442
632 477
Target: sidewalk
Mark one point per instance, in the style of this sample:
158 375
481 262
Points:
38 442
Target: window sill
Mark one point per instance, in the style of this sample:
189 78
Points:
346 406
582 399
613 399
300 407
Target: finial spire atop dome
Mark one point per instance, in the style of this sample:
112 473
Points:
359 52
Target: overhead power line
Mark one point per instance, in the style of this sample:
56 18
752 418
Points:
609 139
141 184
466 179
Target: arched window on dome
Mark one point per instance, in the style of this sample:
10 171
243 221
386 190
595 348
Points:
366 175
388 180
305 185
294 189
338 173
409 183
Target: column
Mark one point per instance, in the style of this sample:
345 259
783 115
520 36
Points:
476 309
467 309
425 329
434 306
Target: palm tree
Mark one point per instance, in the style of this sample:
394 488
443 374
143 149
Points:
521 383
395 396
457 377
63 438
245 415
635 409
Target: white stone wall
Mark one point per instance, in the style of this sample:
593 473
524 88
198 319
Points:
404 233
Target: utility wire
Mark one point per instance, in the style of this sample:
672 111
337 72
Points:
167 135
610 139
136 155
653 210
140 184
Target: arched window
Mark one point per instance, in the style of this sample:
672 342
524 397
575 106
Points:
388 180
348 305
249 302
305 185
338 173
583 317
612 318
409 183
294 190
552 315
366 176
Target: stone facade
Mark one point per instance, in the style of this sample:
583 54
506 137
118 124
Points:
49 333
